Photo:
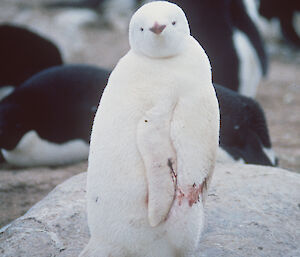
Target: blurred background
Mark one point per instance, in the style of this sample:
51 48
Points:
99 36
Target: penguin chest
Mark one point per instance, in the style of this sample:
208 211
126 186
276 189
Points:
250 71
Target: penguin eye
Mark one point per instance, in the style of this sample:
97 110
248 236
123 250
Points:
174 23
142 29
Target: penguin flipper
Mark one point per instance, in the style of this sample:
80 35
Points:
159 156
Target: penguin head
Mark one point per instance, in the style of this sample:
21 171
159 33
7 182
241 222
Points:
158 30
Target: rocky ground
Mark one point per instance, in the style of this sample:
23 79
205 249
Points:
279 94
252 220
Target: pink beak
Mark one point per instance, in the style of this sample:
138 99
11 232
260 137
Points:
157 29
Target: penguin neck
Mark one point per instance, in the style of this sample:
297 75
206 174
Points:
148 78
192 61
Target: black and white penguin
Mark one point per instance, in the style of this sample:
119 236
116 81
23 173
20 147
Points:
230 38
244 134
23 54
285 12
47 120
57 106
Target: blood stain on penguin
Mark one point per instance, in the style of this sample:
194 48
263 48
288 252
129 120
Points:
194 194
173 173
180 196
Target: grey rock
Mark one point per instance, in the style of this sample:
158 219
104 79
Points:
55 226
250 211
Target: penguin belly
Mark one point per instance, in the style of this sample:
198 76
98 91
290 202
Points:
119 210
250 72
117 194
35 151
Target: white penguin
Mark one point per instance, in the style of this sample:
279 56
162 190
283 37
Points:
154 142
